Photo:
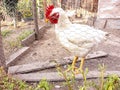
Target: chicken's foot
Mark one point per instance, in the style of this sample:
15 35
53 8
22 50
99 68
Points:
75 69
80 69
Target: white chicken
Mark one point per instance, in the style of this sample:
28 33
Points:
76 38
71 14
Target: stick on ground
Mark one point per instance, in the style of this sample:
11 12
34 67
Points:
49 64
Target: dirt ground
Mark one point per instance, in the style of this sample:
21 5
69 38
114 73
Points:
49 48
10 41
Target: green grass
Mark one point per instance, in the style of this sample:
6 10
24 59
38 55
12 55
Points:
5 33
14 44
110 83
24 34
9 83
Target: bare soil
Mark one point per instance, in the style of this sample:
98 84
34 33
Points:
10 41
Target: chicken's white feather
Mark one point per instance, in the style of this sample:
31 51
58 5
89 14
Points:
77 38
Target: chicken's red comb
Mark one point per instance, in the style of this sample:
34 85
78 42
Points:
49 10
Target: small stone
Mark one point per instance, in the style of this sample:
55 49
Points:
34 54
57 86
35 42
48 44
68 58
65 66
53 55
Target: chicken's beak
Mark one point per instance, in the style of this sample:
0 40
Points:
46 20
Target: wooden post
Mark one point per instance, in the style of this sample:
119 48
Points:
39 15
67 6
2 56
63 4
35 20
44 7
58 3
76 3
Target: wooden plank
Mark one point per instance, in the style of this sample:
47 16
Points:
17 55
28 40
43 29
49 64
54 76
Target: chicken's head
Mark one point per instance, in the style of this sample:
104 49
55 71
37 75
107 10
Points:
52 15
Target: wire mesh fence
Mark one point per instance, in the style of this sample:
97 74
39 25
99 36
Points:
22 9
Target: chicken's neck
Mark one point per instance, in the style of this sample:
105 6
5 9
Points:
63 21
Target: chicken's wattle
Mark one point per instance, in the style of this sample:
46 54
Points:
54 18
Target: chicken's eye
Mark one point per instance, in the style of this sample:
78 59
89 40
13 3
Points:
55 16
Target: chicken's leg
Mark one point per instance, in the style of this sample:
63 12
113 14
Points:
81 64
74 62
